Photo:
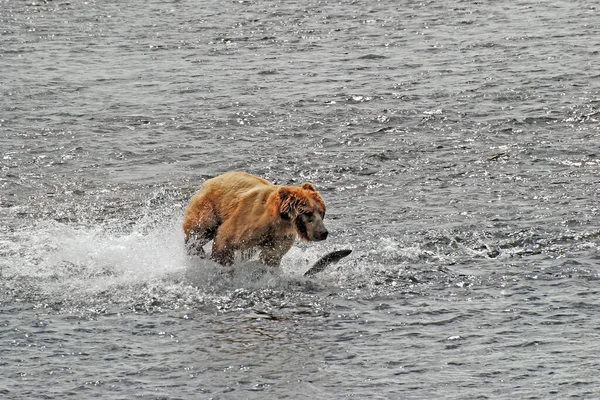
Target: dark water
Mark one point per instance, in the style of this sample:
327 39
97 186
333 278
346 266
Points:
457 145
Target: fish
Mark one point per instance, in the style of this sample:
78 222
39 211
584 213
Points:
327 259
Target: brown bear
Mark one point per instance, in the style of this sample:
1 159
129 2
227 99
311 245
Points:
241 212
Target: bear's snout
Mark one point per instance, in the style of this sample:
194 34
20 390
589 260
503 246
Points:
322 235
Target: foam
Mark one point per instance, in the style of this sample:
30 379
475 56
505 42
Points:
95 256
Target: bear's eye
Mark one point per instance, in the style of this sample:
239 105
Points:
309 216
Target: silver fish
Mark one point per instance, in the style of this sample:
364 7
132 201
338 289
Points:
327 259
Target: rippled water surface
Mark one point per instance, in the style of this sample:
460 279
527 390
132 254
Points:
456 143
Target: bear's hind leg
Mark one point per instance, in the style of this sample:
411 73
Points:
199 230
195 242
222 252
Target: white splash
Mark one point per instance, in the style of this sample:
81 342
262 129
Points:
95 256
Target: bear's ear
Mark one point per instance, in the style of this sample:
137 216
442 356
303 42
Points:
287 202
308 186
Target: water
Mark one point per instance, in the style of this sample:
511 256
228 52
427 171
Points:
456 144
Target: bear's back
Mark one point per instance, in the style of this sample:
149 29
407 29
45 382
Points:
233 189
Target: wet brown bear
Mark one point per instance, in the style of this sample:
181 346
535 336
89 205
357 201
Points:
242 211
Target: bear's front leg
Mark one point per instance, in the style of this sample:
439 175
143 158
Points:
272 255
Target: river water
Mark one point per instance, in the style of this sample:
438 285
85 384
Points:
456 144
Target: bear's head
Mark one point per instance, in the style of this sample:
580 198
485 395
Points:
305 208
